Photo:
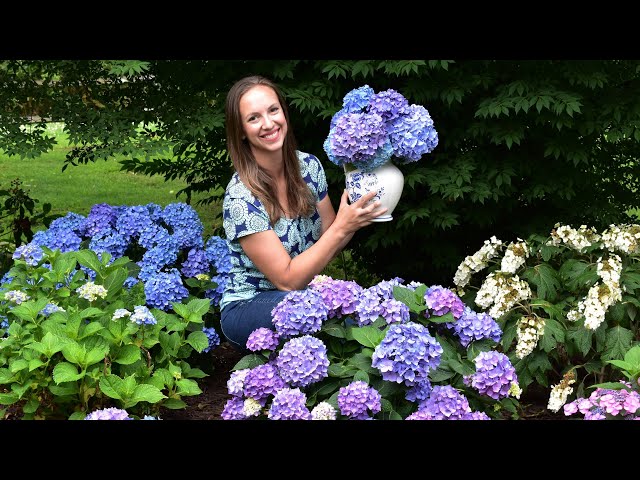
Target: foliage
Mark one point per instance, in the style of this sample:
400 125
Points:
567 302
391 351
97 313
523 144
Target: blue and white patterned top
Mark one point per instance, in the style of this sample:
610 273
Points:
243 214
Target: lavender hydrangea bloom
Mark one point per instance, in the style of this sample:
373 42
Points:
472 326
394 311
31 253
165 288
442 300
389 104
412 135
303 361
419 392
233 409
384 289
299 312
212 336
262 339
445 403
262 381
235 384
289 404
407 354
367 307
357 399
494 375
340 296
109 414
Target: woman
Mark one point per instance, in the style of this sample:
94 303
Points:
278 219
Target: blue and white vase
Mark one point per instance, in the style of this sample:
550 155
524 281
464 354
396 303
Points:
387 180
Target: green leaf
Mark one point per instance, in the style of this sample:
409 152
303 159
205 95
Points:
182 310
89 259
113 283
633 356
74 353
198 340
552 335
95 355
618 342
249 361
545 278
66 372
581 337
199 306
463 368
65 389
334 330
441 374
112 386
446 318
362 361
64 263
146 393
368 336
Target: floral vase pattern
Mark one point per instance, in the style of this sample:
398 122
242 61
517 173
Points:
387 180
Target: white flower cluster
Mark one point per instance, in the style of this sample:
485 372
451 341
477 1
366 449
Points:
251 407
515 256
623 238
16 296
561 391
576 239
476 262
529 330
323 411
515 390
601 295
503 292
120 313
90 291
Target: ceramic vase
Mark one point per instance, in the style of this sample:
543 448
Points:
387 180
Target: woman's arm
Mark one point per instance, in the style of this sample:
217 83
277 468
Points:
267 253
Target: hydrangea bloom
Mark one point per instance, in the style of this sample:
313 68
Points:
406 354
90 291
472 326
262 381
442 300
212 336
323 411
16 296
109 414
235 384
340 296
373 128
303 361
31 253
445 403
494 375
142 316
164 288
234 409
299 312
120 313
289 404
357 399
606 403
51 308
262 339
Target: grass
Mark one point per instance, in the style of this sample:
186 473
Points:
78 188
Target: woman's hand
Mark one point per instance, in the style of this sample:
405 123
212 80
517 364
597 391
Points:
352 217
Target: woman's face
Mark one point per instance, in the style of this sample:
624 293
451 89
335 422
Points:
263 120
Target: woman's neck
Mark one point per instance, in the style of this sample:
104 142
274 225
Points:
272 162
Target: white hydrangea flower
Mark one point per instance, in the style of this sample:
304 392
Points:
529 330
561 391
515 256
251 407
476 262
16 296
323 411
90 291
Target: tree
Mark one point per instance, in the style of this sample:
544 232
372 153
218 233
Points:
522 144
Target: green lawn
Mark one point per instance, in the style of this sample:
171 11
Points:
78 188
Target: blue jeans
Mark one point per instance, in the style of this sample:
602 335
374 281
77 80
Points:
238 319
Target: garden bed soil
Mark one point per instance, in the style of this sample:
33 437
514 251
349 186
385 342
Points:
210 403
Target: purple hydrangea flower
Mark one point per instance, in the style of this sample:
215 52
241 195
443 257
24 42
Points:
101 217
262 381
412 135
235 384
389 104
262 339
445 403
494 375
233 409
303 361
289 404
367 307
473 326
384 289
357 399
340 296
299 312
109 414
419 392
407 354
442 300
394 311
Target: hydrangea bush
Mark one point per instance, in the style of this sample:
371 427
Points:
372 128
567 303
105 311
340 351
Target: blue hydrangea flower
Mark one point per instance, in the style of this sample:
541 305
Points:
357 399
389 104
109 414
72 222
31 253
289 404
472 326
212 336
185 224
57 239
216 294
419 392
299 312
110 241
412 135
142 316
101 217
51 308
133 221
407 354
195 263
218 254
384 289
165 288
357 99
442 300
303 361
494 375
262 339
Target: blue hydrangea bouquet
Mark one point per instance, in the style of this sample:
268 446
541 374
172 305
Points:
374 128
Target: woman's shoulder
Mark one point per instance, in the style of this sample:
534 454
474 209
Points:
237 189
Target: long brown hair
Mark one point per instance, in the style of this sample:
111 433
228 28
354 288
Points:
257 180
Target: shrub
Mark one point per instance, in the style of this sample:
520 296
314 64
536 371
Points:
567 303
114 323
390 351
